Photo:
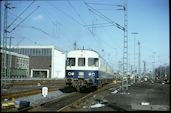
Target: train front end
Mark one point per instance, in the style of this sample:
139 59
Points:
82 69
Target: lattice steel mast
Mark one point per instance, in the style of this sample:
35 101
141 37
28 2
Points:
125 50
4 48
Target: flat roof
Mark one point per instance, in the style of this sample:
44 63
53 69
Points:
38 46
14 54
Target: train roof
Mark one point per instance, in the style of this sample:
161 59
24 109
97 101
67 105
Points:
84 51
93 53
88 50
99 55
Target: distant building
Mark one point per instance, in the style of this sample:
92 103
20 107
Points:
45 61
19 65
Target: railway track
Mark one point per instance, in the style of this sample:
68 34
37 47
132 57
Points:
43 82
49 106
76 104
26 93
66 103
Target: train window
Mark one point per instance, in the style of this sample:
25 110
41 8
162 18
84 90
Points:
81 61
93 62
70 61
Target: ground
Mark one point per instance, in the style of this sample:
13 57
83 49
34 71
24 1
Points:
156 95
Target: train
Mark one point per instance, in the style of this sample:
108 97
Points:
87 69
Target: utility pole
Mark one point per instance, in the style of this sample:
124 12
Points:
144 73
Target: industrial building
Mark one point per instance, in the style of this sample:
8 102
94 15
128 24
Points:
45 61
18 66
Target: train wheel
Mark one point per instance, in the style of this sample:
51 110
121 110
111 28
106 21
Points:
94 88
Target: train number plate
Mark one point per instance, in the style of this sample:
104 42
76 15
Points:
81 75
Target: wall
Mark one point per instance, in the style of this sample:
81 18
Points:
40 62
58 64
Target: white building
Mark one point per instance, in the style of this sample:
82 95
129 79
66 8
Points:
45 61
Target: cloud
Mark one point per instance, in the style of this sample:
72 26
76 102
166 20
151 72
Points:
38 17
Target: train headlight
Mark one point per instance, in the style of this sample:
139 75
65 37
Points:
69 73
93 74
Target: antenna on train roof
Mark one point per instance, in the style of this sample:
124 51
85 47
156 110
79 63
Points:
75 45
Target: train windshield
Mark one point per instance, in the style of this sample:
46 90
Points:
81 61
70 61
93 62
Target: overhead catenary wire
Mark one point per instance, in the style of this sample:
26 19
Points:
76 11
104 17
102 4
22 38
98 25
69 16
24 19
65 14
55 24
39 29
20 14
90 30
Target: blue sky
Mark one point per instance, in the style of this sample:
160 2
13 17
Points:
62 22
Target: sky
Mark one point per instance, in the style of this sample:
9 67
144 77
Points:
62 22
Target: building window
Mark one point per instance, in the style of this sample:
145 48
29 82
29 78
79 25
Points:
34 52
81 61
45 52
42 52
31 52
50 52
40 74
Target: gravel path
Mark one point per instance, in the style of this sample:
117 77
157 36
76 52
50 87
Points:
25 88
